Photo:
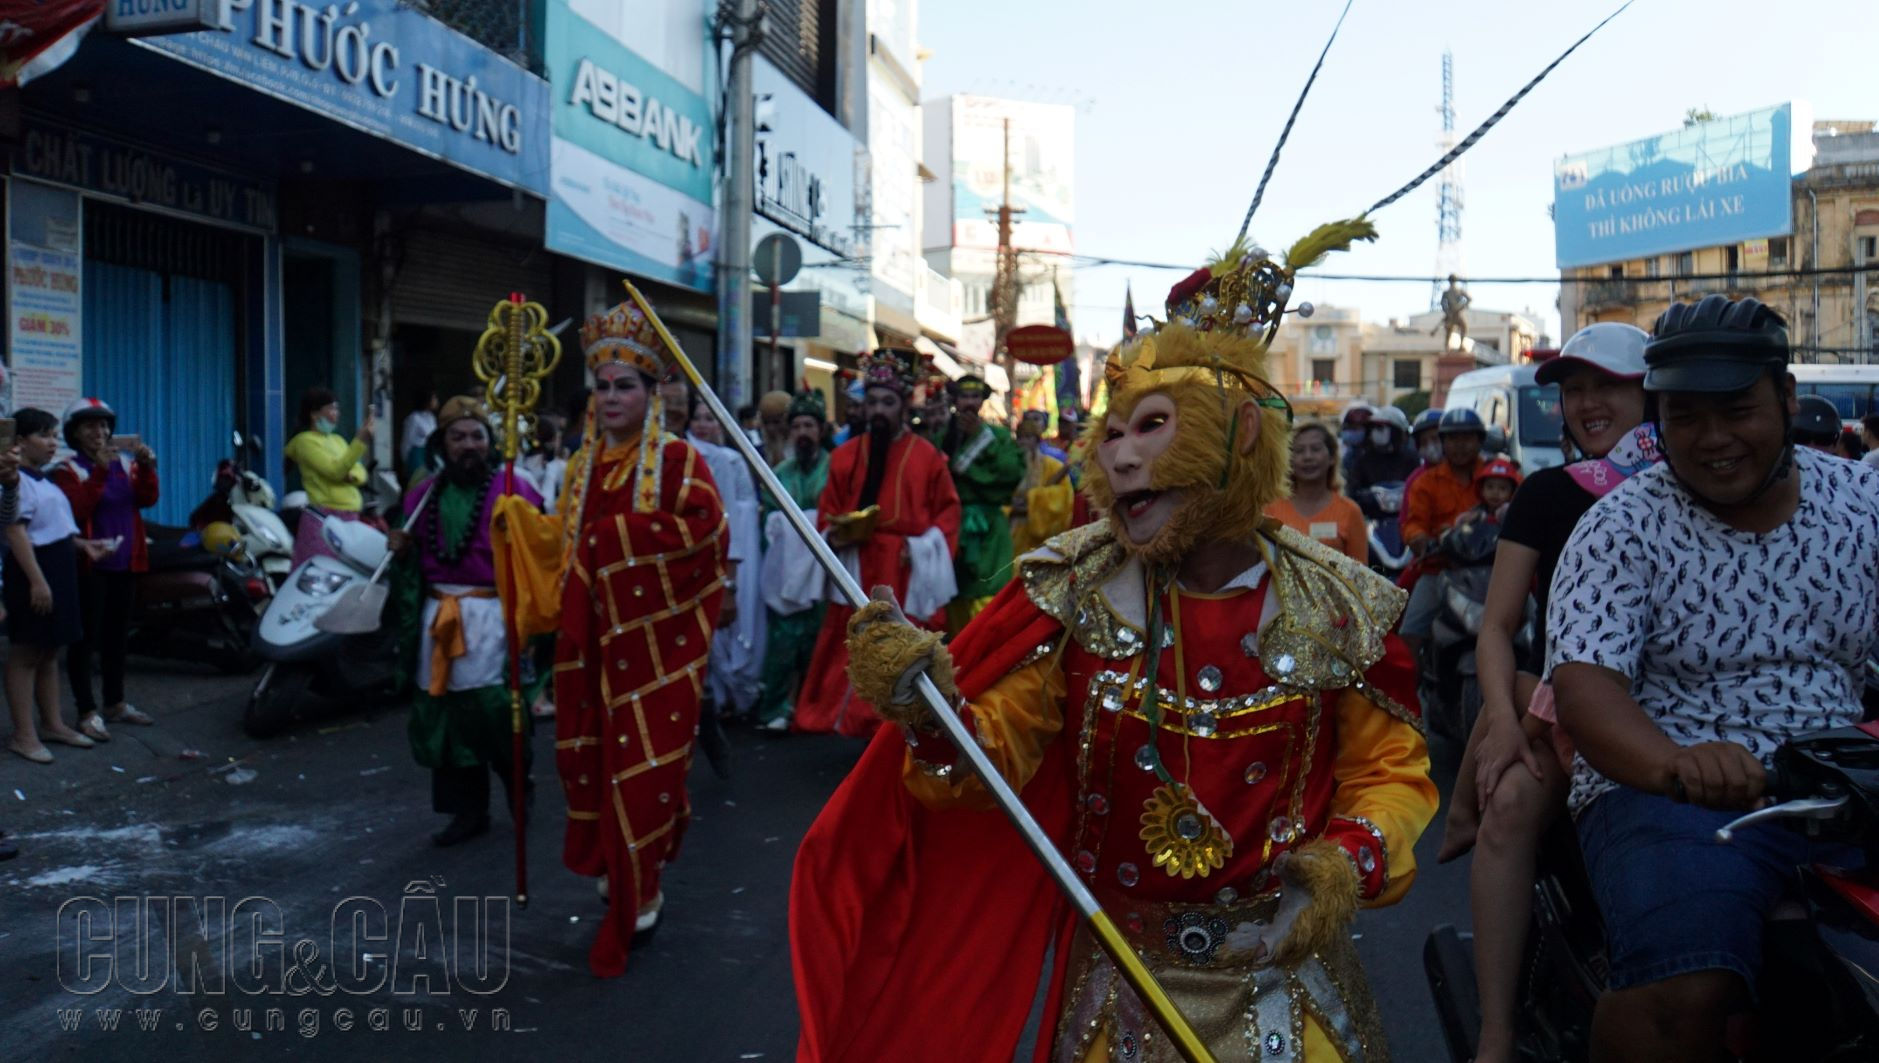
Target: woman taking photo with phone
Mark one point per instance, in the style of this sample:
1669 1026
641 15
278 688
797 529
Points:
108 480
331 469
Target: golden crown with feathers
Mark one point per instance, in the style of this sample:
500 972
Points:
1243 293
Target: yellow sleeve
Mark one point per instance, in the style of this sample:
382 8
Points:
528 547
1015 720
1382 772
330 465
1048 507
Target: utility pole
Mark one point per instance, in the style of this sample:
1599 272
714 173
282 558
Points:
741 23
1005 277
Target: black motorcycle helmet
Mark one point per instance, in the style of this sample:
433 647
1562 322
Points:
1716 345
1818 423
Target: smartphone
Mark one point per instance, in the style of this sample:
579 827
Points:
126 444
9 435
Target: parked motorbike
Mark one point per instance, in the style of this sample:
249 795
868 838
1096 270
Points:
303 662
244 499
1820 973
1382 505
195 605
1451 687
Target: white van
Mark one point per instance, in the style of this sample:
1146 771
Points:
1506 397
1849 387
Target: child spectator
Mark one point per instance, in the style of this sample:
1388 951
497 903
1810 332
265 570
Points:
40 584
1495 483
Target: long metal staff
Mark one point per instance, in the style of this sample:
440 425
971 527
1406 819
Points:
1107 935
516 353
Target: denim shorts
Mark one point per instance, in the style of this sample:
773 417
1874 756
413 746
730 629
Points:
1674 899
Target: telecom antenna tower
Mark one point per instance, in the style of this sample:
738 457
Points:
1448 194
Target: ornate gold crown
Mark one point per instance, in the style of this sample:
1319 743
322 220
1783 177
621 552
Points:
1241 295
890 367
623 334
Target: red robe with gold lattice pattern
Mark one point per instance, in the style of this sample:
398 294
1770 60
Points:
640 606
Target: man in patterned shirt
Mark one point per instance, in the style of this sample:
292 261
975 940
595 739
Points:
1705 612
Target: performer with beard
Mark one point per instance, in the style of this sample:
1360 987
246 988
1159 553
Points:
791 580
1203 710
890 510
453 628
987 466
630 573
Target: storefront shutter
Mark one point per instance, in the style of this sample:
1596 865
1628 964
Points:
160 349
450 281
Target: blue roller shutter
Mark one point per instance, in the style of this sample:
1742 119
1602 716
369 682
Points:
160 348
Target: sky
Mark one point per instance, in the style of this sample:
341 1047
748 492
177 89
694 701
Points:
1179 103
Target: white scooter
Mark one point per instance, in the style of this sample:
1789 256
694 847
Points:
304 662
244 499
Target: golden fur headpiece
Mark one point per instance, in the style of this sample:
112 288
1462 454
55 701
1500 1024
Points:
624 334
1209 358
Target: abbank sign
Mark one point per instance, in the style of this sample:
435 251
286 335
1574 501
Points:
631 156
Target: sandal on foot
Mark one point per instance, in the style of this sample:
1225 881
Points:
131 714
92 727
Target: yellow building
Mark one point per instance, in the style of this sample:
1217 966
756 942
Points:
1833 315
1332 359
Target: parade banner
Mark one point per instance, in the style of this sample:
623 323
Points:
1714 182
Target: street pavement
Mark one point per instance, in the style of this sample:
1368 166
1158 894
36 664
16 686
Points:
323 835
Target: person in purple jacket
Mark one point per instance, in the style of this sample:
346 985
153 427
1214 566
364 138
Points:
108 487
454 635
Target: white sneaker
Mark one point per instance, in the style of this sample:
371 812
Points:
649 915
780 724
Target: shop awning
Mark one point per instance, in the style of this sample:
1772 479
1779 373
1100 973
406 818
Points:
945 360
43 36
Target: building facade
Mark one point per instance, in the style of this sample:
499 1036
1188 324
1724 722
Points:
971 143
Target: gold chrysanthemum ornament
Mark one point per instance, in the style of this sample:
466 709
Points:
1183 837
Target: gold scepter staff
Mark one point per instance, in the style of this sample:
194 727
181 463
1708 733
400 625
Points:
1180 1034
515 354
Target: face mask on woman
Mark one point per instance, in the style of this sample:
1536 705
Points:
324 426
1351 436
1431 451
1380 437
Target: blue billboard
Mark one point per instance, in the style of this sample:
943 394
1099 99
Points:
1710 183
383 67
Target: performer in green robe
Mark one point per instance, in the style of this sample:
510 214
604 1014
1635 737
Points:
453 636
794 623
987 466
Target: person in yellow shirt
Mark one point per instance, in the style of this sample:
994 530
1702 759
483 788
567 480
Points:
330 468
1041 507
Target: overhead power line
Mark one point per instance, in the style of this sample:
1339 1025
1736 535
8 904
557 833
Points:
1818 271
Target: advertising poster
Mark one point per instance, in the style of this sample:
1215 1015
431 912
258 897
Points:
631 159
43 314
1042 141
